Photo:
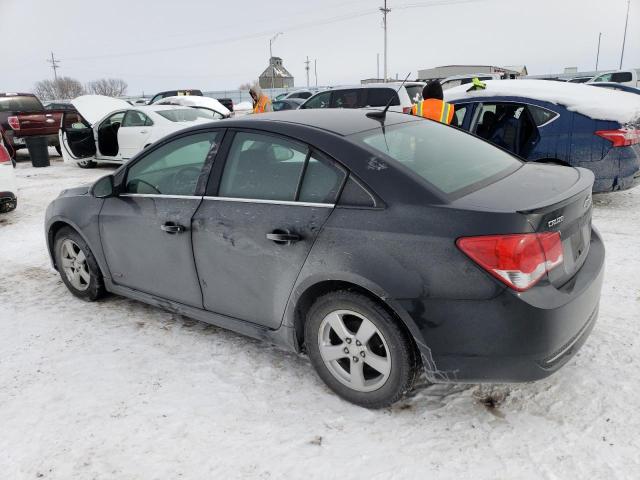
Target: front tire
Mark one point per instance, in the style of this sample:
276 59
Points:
77 265
359 350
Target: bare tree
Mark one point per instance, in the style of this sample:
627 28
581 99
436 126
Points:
111 87
245 86
60 89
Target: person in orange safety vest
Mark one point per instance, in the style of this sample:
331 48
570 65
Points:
261 102
433 106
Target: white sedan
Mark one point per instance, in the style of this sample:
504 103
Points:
8 186
205 104
111 130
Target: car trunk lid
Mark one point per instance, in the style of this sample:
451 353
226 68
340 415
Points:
552 199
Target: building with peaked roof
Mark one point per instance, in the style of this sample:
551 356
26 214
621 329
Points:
275 75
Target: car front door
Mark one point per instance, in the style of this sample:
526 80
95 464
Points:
134 133
146 229
255 227
76 137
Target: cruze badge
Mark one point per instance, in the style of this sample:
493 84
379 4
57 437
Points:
555 221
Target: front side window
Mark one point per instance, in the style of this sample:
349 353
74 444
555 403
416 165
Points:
174 168
134 118
445 157
265 167
115 119
606 77
321 100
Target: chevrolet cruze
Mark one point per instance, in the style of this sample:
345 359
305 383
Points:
382 245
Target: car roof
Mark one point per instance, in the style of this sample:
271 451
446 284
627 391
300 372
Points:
340 121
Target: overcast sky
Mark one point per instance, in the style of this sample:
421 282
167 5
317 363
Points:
216 45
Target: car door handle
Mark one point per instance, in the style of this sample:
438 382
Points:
283 237
172 228
142 132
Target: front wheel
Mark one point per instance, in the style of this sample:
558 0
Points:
359 350
77 265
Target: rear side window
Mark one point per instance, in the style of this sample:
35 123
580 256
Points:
19 103
415 93
458 115
448 159
266 167
379 97
621 77
541 115
345 98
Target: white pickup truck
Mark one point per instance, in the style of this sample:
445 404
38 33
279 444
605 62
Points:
630 77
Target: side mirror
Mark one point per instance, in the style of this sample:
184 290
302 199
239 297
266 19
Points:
103 188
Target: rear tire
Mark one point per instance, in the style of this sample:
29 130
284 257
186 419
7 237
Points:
359 350
77 265
87 164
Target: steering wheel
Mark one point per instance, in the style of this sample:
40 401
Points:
185 180
137 181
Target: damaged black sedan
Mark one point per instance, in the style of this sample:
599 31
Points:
382 246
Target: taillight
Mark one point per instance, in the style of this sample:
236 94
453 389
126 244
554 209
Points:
406 109
14 123
4 155
519 260
620 138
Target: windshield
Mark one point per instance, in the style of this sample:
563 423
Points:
185 114
445 157
20 104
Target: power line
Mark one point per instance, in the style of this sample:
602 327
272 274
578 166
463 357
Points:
55 64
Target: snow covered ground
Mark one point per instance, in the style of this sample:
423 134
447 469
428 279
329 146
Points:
120 390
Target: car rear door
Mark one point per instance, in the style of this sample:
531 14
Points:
264 207
134 133
146 230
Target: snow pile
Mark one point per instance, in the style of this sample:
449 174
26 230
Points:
594 102
238 107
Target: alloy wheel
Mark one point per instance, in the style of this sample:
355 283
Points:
74 264
354 350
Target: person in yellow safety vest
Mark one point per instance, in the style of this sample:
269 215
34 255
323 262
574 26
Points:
261 102
433 106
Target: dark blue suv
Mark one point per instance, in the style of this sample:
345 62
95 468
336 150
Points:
528 118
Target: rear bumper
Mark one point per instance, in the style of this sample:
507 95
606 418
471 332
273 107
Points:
512 337
626 161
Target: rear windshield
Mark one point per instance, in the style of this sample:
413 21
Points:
20 104
185 115
450 160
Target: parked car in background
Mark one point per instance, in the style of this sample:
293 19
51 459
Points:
227 103
107 129
617 86
579 79
381 248
363 96
457 80
204 104
299 94
287 104
22 115
561 123
629 77
8 185
58 105
175 93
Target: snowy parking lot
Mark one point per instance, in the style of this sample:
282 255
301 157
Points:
121 390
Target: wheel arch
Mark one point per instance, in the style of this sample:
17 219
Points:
306 294
57 224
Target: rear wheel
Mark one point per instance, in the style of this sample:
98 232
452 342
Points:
359 350
87 164
77 265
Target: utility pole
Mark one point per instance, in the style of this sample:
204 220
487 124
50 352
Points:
315 69
624 38
55 65
307 69
598 54
385 11
273 69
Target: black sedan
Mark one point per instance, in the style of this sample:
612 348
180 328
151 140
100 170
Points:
381 246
